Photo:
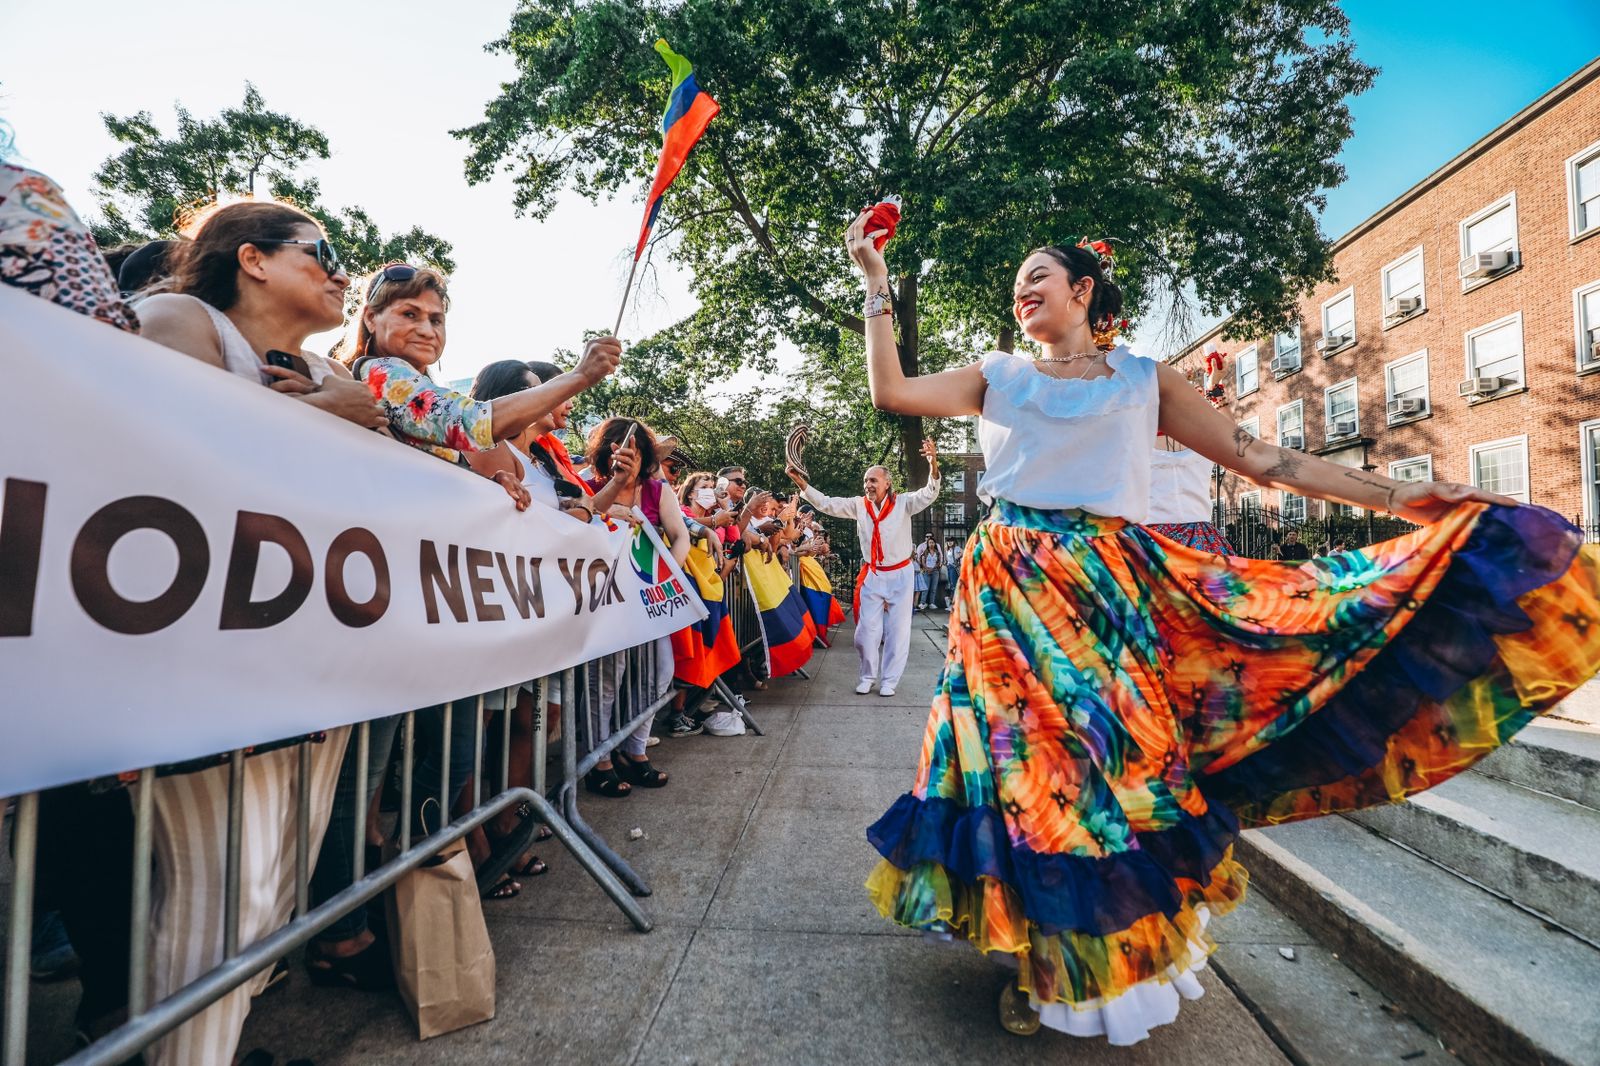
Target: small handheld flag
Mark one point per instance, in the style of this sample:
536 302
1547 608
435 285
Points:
689 111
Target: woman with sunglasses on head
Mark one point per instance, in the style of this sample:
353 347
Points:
256 278
397 336
1114 706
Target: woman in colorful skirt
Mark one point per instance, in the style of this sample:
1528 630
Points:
1115 706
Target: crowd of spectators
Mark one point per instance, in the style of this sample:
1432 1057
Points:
254 280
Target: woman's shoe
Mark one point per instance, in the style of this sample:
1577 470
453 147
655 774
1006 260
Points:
368 969
637 768
1017 1015
607 783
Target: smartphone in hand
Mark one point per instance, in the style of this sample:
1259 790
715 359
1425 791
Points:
289 361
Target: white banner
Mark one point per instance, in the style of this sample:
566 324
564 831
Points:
191 563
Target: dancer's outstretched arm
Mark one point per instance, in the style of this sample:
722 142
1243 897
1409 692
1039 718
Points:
1187 418
948 394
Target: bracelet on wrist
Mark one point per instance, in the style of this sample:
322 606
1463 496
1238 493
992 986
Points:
877 303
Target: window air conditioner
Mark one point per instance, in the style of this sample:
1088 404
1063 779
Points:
1482 386
1296 441
1594 350
1334 341
1482 264
1401 306
1341 429
1405 405
1283 364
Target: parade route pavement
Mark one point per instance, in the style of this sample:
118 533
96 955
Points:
766 948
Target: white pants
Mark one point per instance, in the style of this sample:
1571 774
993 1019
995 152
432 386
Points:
883 631
187 912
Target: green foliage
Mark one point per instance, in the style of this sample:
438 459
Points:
147 188
1196 133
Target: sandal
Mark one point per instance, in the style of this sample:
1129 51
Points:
505 888
532 868
640 772
368 969
607 783
1017 1015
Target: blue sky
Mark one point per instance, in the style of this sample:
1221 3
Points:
386 82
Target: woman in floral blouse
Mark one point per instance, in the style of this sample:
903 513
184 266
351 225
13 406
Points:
399 334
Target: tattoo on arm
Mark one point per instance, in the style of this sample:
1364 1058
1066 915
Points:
1385 484
1242 439
1288 465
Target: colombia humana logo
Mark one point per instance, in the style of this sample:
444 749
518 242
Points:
663 592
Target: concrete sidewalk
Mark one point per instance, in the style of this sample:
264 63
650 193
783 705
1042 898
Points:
766 949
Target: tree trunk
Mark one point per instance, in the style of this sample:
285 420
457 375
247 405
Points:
1008 340
910 425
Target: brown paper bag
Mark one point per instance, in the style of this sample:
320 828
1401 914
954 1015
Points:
443 961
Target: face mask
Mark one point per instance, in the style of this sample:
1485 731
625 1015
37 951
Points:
705 497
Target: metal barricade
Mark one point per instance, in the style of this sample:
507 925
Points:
594 723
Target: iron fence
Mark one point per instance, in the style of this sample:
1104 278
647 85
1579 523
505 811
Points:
1256 531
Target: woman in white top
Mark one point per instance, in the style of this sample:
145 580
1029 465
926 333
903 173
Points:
1180 483
1113 707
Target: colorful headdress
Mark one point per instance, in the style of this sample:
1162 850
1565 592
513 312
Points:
1105 330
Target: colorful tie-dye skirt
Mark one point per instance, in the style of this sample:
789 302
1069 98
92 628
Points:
1114 707
1202 535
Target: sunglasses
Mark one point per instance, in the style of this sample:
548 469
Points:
399 273
326 255
736 481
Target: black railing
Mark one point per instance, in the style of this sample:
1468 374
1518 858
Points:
1256 531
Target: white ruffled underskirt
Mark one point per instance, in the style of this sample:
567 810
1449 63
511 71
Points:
1130 1017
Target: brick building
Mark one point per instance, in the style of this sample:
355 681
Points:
1461 341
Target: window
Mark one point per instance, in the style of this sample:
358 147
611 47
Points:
1292 507
1250 501
1286 352
957 481
1417 468
1247 371
1403 294
1339 322
1502 466
1589 442
1583 190
1586 310
1495 351
955 514
1292 425
1492 230
1405 387
1252 426
1339 407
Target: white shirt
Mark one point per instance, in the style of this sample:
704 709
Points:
1058 443
894 525
1180 486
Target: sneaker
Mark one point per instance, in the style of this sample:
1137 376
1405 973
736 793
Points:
653 741
681 725
724 723
864 687
886 690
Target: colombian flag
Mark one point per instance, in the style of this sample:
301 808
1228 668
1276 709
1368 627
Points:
689 111
705 651
785 625
825 610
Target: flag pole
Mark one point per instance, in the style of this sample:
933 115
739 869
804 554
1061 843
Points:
626 290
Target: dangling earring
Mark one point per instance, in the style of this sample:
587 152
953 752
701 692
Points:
1105 332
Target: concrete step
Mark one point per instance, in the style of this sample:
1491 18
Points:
1561 758
1498 985
1315 1008
1539 850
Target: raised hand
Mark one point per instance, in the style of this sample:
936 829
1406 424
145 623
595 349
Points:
858 242
600 359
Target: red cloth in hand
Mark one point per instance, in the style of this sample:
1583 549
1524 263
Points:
885 216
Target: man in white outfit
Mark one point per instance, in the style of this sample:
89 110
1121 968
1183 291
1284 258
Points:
888 578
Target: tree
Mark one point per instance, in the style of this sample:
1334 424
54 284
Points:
1196 133
147 188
